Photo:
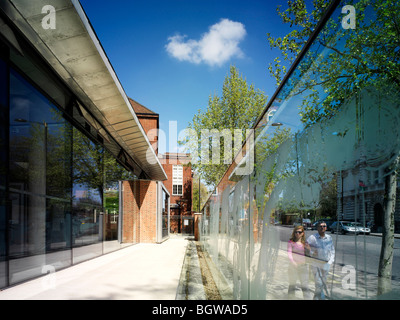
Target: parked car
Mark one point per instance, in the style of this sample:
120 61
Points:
344 227
361 228
327 221
306 223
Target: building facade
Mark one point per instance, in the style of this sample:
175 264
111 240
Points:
179 185
150 122
72 149
146 215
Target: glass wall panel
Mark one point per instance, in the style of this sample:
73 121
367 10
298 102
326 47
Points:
39 182
59 197
330 152
111 219
87 201
3 169
113 173
165 213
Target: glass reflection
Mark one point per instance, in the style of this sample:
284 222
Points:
3 169
113 173
87 201
59 190
39 183
328 151
165 213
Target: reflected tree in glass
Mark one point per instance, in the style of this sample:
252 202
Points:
344 64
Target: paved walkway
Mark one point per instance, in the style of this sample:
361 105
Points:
167 271
138 272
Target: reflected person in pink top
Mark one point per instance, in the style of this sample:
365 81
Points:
298 268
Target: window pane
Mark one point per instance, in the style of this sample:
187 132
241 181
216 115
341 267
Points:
3 169
39 182
113 173
87 204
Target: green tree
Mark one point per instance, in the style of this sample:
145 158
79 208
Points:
266 162
303 21
94 167
195 194
237 109
357 58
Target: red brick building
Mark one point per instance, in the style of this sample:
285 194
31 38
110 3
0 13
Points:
149 121
179 185
145 202
146 214
153 209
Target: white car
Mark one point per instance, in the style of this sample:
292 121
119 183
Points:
361 228
344 227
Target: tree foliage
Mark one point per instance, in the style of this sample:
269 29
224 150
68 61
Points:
341 62
204 193
303 21
237 108
94 167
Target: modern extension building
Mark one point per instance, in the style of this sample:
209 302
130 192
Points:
69 137
328 143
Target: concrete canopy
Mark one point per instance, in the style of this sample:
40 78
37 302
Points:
76 55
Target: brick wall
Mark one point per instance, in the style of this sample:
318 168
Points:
149 120
140 197
148 211
130 223
167 164
168 160
139 211
148 123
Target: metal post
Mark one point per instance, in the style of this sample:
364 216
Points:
199 192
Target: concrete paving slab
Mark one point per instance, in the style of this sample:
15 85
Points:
138 272
191 284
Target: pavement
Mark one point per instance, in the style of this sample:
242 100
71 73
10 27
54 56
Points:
138 272
166 271
191 282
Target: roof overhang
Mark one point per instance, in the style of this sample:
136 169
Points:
73 50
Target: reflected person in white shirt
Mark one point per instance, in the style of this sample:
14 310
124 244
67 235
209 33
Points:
323 252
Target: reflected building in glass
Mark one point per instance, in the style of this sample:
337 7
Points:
326 147
70 145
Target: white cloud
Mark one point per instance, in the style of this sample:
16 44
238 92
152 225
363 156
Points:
215 47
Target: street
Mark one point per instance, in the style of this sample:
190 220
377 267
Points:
356 252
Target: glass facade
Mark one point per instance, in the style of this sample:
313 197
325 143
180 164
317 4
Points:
165 213
59 197
329 151
39 180
4 88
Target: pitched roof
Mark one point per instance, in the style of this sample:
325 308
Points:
140 109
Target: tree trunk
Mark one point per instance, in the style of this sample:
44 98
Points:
386 257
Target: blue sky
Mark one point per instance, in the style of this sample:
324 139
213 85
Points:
171 55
